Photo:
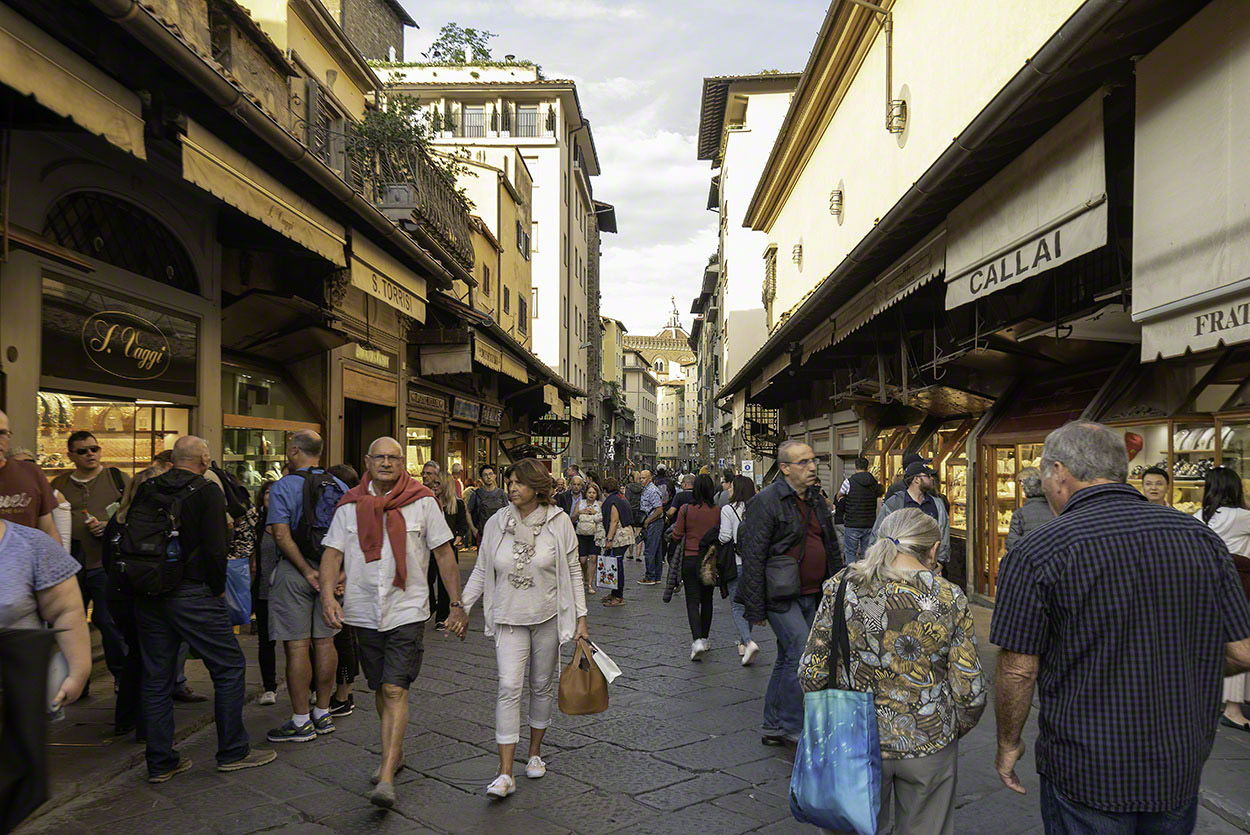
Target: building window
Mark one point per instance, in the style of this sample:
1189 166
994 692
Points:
507 299
770 283
527 120
474 121
566 188
534 302
522 316
485 280
659 366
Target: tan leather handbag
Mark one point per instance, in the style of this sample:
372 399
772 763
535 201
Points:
583 689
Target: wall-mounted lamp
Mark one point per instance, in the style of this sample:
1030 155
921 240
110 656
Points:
796 254
835 203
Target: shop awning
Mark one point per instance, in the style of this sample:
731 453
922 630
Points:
551 396
513 367
279 328
1191 215
228 175
383 277
920 265
35 64
1047 207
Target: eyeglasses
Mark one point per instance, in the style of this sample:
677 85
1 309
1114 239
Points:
83 450
804 463
6 433
387 459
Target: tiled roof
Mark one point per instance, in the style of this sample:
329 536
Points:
712 112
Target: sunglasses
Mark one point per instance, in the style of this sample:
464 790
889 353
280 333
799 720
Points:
83 450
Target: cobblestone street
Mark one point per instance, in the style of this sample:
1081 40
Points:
677 752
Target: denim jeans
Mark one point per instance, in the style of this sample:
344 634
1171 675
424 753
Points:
783 701
193 614
1063 816
655 550
739 612
94 585
126 712
856 539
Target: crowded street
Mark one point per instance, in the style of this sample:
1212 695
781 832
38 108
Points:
624 416
677 752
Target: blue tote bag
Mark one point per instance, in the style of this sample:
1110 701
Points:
836 781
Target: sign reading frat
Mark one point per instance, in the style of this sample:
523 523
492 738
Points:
93 336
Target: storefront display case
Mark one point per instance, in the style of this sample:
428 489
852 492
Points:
262 410
254 455
420 448
1001 466
130 433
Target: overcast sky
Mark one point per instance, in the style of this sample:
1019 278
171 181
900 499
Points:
639 67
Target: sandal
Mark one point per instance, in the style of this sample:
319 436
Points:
613 601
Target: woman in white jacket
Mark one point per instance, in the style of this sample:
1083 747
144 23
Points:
741 491
530 582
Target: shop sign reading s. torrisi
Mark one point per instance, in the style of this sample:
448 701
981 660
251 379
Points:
125 345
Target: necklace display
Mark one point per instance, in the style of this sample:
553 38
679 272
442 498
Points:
522 550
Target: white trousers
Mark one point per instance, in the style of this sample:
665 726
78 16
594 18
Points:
516 648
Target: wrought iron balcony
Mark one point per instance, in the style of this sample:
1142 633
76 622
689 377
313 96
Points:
404 182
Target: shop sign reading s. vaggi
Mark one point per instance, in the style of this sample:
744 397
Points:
125 345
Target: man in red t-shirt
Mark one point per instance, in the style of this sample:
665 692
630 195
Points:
25 495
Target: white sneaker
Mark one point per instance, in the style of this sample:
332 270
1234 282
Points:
742 648
697 648
535 768
267 698
749 652
502 786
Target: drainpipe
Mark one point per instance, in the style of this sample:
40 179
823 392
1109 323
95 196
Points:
150 32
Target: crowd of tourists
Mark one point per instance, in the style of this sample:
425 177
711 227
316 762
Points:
1100 582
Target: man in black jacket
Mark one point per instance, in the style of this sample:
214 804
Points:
900 483
788 549
860 509
196 613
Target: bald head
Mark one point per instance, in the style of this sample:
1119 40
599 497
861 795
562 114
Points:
385 444
191 453
385 462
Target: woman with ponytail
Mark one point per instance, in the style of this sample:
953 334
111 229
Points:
913 648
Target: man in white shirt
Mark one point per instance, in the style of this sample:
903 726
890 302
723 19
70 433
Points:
385 600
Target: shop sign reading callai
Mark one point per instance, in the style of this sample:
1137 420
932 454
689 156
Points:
125 345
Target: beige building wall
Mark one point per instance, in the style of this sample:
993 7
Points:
950 59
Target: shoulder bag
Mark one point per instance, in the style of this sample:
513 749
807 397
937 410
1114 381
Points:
583 688
836 782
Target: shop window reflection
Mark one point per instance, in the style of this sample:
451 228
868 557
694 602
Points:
420 448
130 433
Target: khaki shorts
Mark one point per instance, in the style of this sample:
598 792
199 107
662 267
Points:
294 607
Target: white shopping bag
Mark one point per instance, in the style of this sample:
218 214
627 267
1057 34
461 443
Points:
605 664
608 570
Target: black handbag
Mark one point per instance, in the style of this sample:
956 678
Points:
781 578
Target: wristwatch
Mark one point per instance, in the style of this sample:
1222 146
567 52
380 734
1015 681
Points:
456 604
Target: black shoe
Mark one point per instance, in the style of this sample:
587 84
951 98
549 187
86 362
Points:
776 740
1229 723
122 730
343 708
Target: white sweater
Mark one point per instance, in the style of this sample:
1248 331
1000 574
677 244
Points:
485 583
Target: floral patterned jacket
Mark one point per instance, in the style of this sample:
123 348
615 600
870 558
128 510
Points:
913 648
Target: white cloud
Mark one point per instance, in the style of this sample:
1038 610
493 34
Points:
617 88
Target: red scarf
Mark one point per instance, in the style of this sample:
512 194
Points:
369 515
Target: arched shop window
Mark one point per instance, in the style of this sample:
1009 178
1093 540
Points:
120 233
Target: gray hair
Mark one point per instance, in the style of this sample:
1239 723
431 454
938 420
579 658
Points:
1030 479
1090 451
906 531
383 440
308 442
433 464
784 449
687 481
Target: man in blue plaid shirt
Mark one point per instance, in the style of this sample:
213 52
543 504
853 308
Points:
1126 615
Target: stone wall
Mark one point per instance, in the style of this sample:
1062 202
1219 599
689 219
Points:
373 27
190 16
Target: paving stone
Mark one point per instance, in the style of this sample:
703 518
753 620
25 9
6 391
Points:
374 821
140 800
642 733
254 820
280 780
595 813
719 752
330 800
162 822
432 759
763 771
631 772
703 817
756 804
690 792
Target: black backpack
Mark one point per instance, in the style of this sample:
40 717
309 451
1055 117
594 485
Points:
150 557
321 496
238 499
486 504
